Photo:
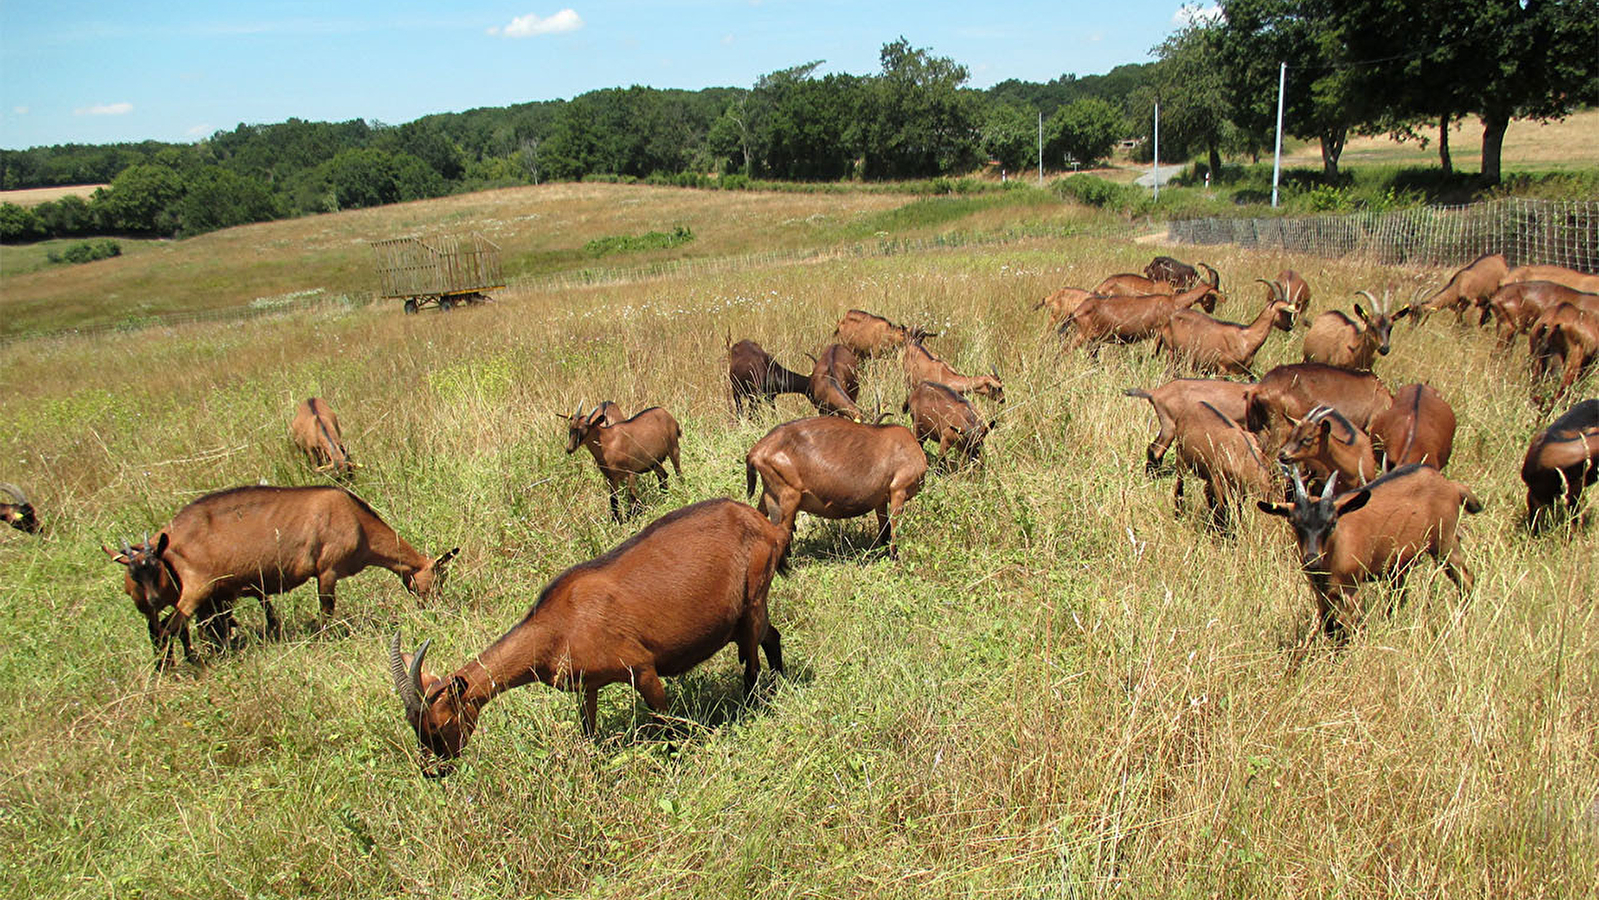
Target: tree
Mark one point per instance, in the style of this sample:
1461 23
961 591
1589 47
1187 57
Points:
1084 130
1435 60
1010 134
67 217
140 200
1189 85
1323 101
362 178
220 198
18 224
915 121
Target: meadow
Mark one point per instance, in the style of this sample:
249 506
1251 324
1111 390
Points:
1061 689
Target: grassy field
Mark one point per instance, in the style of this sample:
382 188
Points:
1565 145
36 196
1060 690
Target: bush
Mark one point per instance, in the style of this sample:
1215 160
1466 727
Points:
19 224
629 243
1095 191
86 251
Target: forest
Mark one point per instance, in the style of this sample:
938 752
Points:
1403 67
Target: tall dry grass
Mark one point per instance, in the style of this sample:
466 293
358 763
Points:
1062 689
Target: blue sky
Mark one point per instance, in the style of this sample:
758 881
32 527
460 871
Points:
178 70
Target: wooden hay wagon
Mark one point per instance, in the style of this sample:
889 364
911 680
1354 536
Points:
439 270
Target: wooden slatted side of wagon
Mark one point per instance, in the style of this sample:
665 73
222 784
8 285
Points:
438 270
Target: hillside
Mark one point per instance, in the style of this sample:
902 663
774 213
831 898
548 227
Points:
1061 689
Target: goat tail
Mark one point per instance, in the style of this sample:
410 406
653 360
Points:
1141 394
1473 505
749 479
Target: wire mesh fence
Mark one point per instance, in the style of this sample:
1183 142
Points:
1527 232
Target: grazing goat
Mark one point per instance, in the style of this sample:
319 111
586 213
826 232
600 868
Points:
921 365
1290 392
262 541
940 412
19 515
1378 530
1129 284
1571 278
758 378
1469 287
1418 427
1517 305
656 605
1175 399
835 382
1126 320
1294 289
315 429
1225 456
1210 345
870 335
836 469
1569 333
1337 340
1178 274
627 449
1561 460
1325 443
1062 303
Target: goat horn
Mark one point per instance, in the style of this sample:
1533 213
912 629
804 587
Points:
414 674
1369 297
1276 289
1332 483
402 680
14 491
147 546
1300 498
1215 276
595 411
126 550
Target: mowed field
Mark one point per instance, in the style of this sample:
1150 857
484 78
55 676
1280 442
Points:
1562 145
1060 689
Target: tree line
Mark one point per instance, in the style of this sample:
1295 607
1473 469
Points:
1404 67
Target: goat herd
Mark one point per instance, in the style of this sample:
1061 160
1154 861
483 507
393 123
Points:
697 578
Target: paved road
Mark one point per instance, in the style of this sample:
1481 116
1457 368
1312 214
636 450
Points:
1148 178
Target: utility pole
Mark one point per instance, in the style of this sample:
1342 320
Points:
1277 158
1040 148
1157 151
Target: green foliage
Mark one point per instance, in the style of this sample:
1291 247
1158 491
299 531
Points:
18 223
87 251
142 199
1095 191
1010 135
67 217
220 198
631 243
1083 130
914 120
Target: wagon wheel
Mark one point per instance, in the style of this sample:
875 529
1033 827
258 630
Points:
410 306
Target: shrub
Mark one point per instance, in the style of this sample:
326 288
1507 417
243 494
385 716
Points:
629 243
1095 191
86 251
19 223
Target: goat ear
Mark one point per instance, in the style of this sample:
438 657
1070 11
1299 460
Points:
456 688
161 544
1355 502
1361 313
1403 311
1273 509
445 558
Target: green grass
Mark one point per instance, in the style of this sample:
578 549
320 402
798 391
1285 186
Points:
1060 690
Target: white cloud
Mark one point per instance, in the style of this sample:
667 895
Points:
1193 14
199 131
104 109
20 110
531 25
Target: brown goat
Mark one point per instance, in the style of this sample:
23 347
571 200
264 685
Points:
836 469
1290 392
1515 306
940 412
1469 287
1211 345
1561 460
1225 456
627 449
262 541
1375 531
1571 278
1294 288
1568 333
757 377
835 383
657 605
19 515
1175 399
1337 340
1126 320
315 429
1418 427
921 365
870 335
1325 443
1178 274
1062 303
1131 284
